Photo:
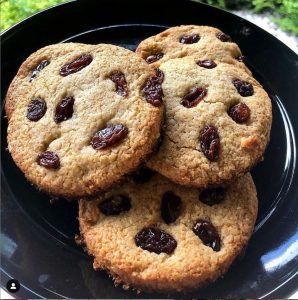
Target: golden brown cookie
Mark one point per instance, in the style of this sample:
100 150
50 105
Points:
201 42
163 237
217 123
89 118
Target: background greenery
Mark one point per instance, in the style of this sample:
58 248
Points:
284 12
13 11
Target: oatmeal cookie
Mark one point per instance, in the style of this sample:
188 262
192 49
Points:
92 117
202 42
217 123
160 236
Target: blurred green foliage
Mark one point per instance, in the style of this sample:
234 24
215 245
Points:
13 11
284 12
289 13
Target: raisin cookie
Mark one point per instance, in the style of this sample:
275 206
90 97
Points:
163 237
217 123
92 118
34 67
202 42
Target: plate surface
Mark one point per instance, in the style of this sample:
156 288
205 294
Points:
37 239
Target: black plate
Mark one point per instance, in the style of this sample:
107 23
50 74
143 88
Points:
37 243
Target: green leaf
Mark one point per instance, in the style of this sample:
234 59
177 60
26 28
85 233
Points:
288 16
261 5
13 11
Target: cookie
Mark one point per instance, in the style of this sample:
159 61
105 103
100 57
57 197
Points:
32 68
202 42
93 115
164 237
217 123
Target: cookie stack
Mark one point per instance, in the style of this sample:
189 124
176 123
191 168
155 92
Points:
156 145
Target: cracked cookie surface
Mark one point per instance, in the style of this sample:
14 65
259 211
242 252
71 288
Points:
200 42
142 249
213 137
85 122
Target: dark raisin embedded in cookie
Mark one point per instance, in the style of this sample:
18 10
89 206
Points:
208 234
36 109
120 82
212 196
154 57
159 74
153 91
242 58
210 143
109 136
244 88
49 160
37 70
194 97
115 205
64 109
240 113
143 175
224 37
155 240
77 65
170 207
207 63
189 39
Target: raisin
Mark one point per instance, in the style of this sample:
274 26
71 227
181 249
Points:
159 74
208 234
77 65
240 112
244 88
142 175
154 57
189 39
36 109
194 97
242 58
207 63
37 70
153 91
210 142
212 196
49 160
64 109
170 207
109 136
224 37
120 82
155 240
115 205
